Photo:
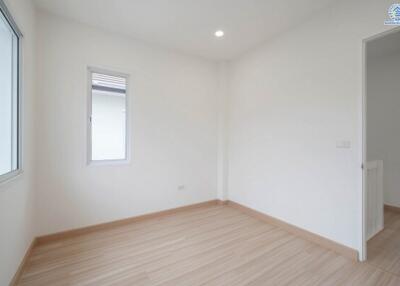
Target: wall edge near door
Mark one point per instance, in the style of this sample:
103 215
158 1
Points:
305 234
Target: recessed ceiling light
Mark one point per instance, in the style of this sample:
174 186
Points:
219 33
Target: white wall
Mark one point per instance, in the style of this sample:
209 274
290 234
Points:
173 128
16 196
291 101
383 120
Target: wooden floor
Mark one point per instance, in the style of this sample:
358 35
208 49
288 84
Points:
384 249
215 245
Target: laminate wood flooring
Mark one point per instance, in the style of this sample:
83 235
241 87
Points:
208 246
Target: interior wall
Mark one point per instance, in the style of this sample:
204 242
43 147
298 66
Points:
383 118
173 128
293 102
17 225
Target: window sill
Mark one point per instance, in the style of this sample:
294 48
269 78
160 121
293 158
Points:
109 163
10 177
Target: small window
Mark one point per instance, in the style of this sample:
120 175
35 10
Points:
108 114
10 125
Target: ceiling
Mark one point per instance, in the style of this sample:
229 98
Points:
189 25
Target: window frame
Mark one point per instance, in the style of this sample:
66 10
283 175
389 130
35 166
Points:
90 161
4 12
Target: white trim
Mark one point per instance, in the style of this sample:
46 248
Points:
20 106
363 254
10 19
127 158
109 162
10 176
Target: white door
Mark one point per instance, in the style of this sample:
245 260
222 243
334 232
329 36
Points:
374 186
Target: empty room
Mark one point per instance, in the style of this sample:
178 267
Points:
196 143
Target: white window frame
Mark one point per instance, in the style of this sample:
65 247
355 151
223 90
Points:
14 173
126 160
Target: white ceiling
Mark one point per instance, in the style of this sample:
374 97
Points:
189 25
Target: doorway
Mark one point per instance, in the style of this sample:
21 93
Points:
381 150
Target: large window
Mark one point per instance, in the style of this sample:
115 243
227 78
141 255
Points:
10 137
108 113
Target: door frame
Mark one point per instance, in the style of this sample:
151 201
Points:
363 254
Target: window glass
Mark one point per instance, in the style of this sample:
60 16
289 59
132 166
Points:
108 117
9 146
